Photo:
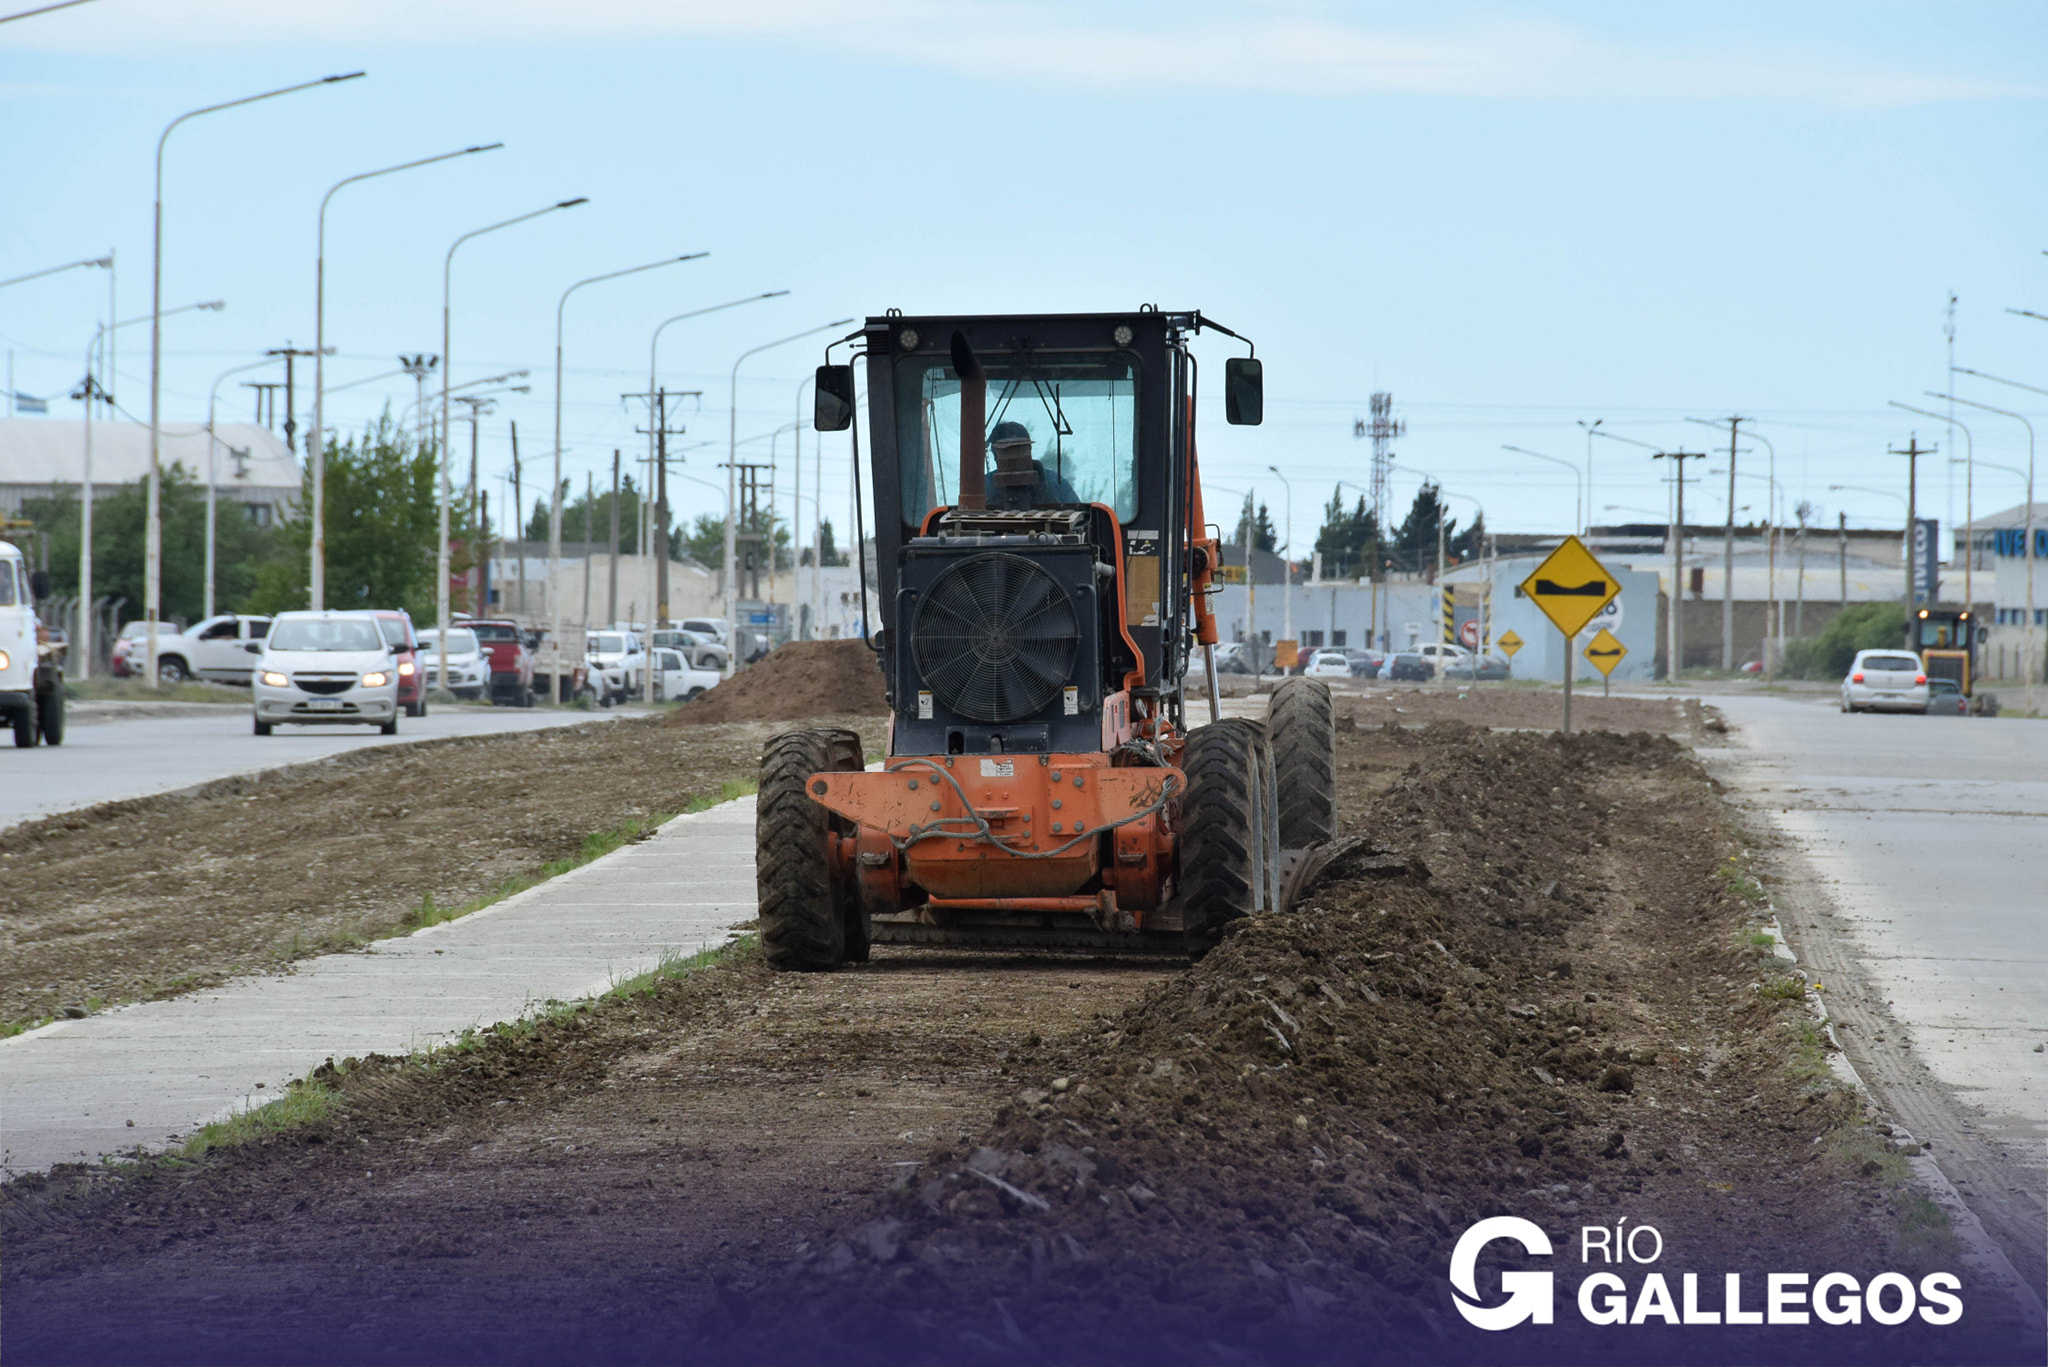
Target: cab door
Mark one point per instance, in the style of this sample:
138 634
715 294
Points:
217 652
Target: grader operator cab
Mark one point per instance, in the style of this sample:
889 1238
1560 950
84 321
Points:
1045 568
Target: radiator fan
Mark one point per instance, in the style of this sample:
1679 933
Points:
995 638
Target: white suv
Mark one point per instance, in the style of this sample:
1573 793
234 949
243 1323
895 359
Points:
325 669
1441 653
1885 681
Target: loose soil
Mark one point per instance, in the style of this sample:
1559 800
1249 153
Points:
160 895
1535 709
803 679
1527 987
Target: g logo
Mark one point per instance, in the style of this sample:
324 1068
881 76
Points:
1528 1293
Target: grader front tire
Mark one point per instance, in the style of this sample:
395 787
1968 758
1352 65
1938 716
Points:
804 908
1223 829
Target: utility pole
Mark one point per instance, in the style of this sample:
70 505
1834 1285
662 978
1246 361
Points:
1674 629
751 480
1381 429
1842 553
1804 511
657 541
291 422
589 500
477 408
266 401
611 602
518 517
1914 450
1728 559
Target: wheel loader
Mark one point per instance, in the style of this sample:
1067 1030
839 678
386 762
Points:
1045 570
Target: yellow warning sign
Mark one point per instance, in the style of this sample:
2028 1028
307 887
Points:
1509 642
1571 587
1604 651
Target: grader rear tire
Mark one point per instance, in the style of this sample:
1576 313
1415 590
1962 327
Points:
1302 723
1222 829
804 909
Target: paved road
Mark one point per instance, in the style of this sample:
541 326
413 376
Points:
1917 886
144 1074
122 759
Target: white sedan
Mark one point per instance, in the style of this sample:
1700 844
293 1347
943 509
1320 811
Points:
1885 681
1328 664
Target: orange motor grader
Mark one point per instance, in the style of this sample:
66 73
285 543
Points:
1045 569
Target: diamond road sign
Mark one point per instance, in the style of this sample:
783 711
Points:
1604 651
1571 587
1509 642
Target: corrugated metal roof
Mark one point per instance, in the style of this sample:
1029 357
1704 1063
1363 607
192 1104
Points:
47 451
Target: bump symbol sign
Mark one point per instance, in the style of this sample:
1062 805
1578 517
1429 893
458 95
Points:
1604 651
1510 643
1571 586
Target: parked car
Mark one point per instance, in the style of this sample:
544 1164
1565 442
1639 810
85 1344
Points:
1408 666
1441 653
396 625
511 657
1233 657
703 652
1945 699
215 649
326 669
1365 664
675 680
1885 681
714 628
469 670
1486 668
1328 664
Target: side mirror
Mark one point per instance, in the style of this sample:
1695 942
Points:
1244 391
832 409
39 584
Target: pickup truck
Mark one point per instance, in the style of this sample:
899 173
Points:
702 651
511 660
676 680
216 649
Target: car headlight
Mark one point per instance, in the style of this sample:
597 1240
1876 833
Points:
4 661
406 669
376 679
273 679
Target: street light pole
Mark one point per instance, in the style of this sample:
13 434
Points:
732 626
1591 429
153 533
1287 565
555 486
1578 489
104 262
441 607
316 448
2033 656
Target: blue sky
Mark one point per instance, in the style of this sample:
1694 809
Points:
1513 217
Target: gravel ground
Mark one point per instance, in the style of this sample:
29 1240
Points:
1528 989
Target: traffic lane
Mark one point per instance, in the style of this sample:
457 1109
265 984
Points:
1933 835
115 760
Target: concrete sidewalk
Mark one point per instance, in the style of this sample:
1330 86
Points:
145 1074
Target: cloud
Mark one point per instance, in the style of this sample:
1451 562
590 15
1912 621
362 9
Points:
1275 48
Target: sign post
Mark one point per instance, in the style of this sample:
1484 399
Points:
1570 587
1605 651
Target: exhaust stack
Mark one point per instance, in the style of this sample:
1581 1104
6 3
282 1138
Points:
973 424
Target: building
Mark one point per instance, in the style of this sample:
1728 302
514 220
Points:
1998 543
41 457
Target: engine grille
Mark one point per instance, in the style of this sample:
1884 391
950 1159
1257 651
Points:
995 637
324 683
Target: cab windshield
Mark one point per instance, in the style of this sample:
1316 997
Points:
1078 408
460 642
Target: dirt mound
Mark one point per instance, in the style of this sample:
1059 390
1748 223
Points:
801 680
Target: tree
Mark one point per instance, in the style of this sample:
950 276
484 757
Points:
1828 654
599 510
1256 528
242 548
382 525
1346 538
1469 544
832 555
1415 542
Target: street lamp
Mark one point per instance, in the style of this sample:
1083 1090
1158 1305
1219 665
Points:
441 609
153 538
2033 659
317 445
104 262
1287 561
1578 491
105 331
555 489
732 625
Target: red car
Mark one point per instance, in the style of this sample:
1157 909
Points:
412 684
511 660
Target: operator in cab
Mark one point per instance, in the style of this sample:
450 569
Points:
1019 481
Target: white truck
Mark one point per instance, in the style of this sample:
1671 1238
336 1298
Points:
216 649
31 663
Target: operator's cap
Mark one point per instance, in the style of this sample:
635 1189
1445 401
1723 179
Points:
1009 433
